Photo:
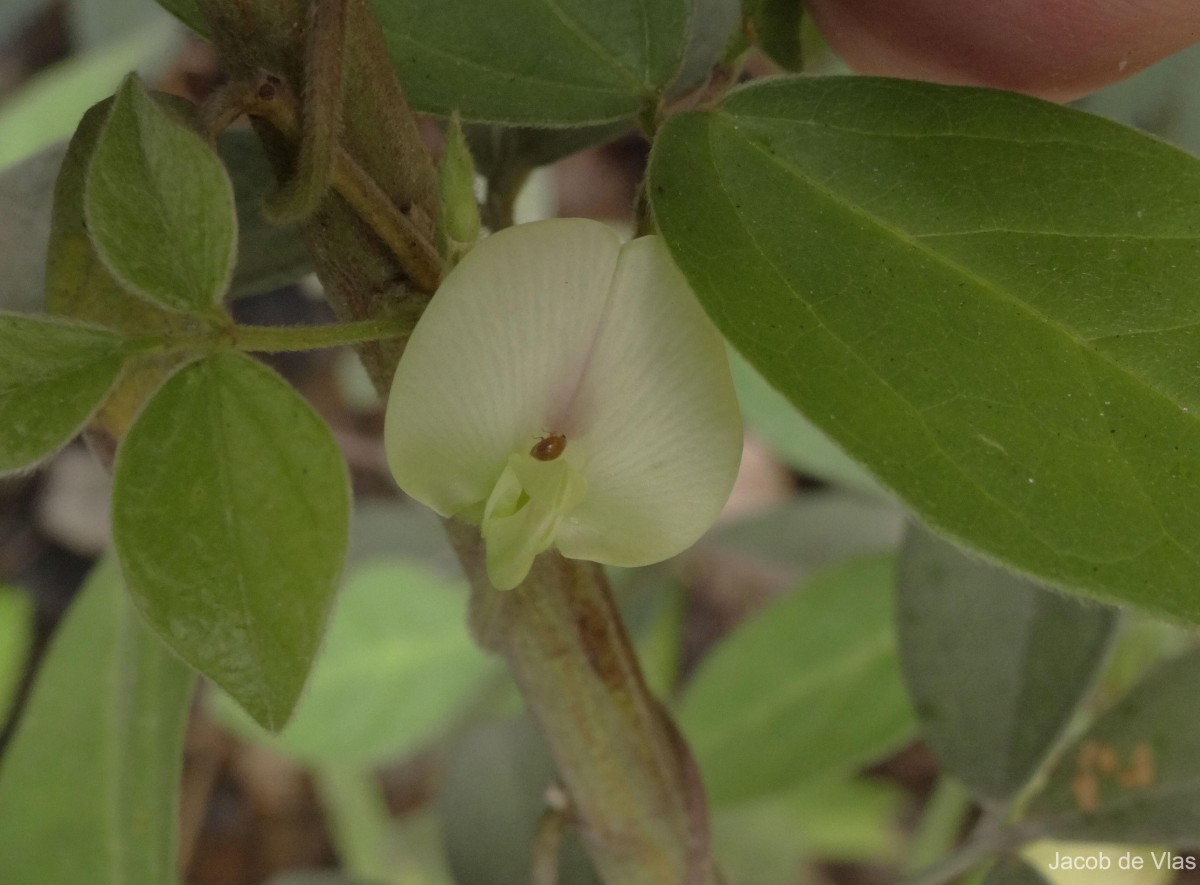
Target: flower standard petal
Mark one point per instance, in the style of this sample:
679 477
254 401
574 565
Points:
497 351
565 390
663 434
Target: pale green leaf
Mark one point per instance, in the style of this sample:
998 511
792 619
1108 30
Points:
996 664
77 283
396 664
806 689
230 510
1135 775
89 788
768 840
53 377
16 633
989 300
159 206
47 108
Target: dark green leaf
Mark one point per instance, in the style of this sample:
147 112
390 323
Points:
188 12
790 435
89 787
1135 775
53 377
528 62
777 31
996 664
499 149
989 300
396 664
807 689
230 510
159 206
268 255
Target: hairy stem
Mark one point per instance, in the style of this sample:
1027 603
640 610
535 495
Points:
632 782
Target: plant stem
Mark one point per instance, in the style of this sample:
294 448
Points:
632 783
990 836
277 339
359 821
940 824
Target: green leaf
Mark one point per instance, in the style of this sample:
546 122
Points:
230 511
269 255
768 840
16 633
26 198
53 377
47 108
89 787
490 805
1135 775
528 62
777 31
396 664
988 300
369 841
188 12
78 284
159 206
996 664
513 149
790 435
813 531
807 689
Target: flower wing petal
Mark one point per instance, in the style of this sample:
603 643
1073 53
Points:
661 433
496 357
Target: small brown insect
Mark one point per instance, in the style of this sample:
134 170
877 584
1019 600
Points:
549 447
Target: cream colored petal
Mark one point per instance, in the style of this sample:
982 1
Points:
497 358
524 512
657 430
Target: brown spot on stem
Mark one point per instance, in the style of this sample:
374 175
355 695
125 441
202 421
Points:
598 644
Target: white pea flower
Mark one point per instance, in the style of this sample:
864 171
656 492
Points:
565 390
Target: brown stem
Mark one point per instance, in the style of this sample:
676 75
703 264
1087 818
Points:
632 783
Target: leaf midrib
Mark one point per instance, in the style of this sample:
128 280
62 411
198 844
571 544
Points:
987 286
